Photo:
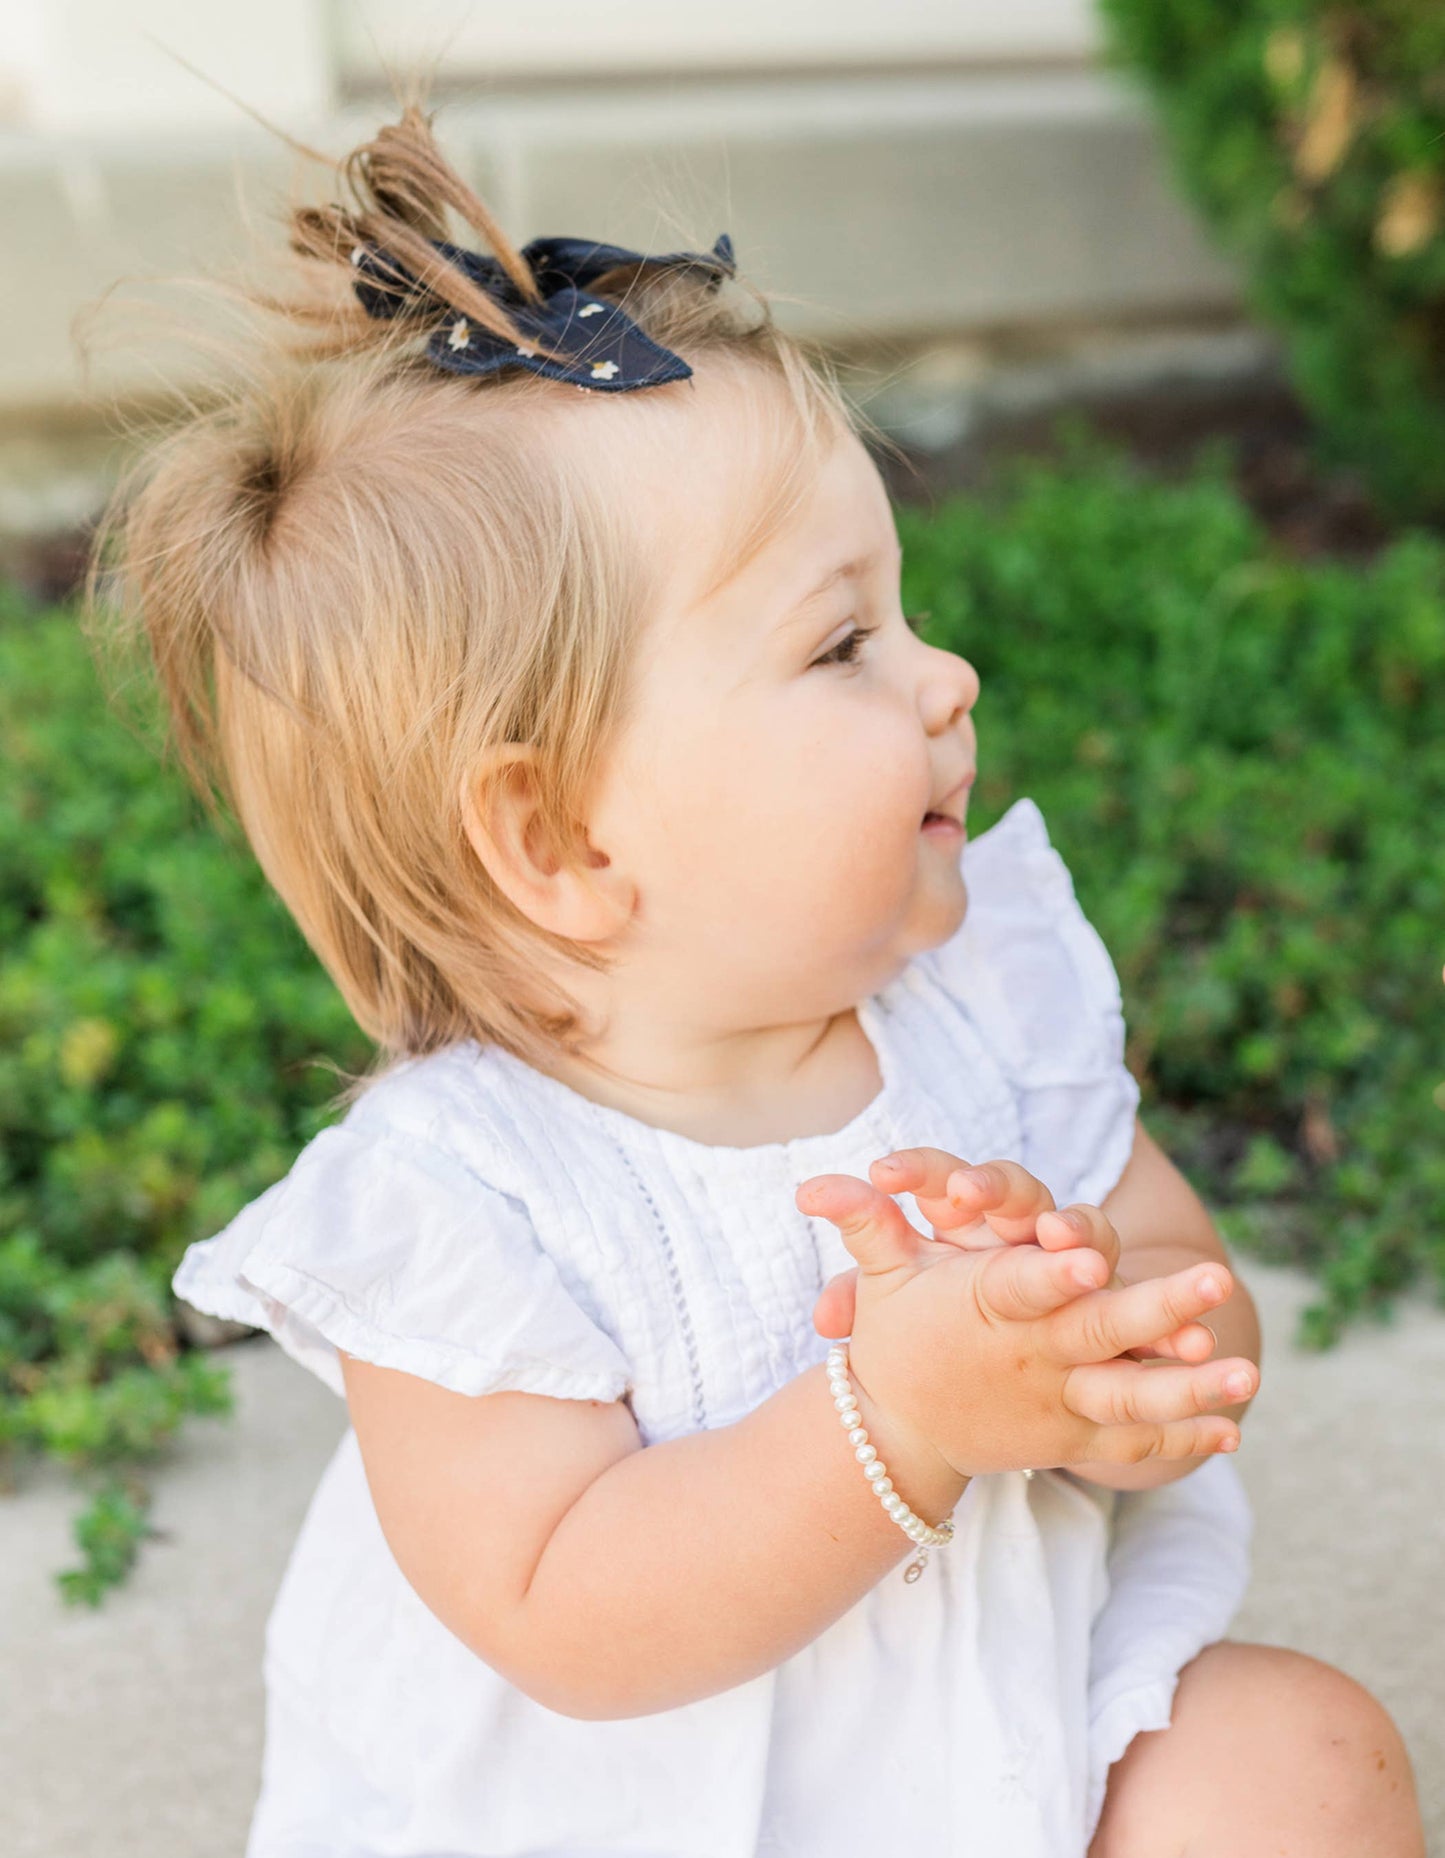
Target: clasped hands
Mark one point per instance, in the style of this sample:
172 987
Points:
1030 1323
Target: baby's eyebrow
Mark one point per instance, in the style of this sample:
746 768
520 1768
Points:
846 570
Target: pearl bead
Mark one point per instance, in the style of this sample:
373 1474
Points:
851 1419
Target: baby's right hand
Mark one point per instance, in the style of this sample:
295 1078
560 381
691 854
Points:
1003 1359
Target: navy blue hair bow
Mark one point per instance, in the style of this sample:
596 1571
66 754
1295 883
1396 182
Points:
605 348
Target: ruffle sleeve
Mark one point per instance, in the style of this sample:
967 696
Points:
385 1245
1179 1569
1036 981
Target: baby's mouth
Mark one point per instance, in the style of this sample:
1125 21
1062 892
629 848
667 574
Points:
936 819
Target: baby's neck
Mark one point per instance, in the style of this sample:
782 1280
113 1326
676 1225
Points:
789 1081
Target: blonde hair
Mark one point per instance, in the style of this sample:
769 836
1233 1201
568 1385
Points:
357 574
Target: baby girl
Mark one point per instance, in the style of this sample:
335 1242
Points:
538 612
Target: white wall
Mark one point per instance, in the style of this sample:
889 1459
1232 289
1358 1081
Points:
583 36
99 66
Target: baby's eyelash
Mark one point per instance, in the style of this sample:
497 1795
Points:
845 651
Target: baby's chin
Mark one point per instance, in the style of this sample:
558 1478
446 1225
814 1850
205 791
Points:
952 918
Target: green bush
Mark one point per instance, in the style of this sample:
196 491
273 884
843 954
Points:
1312 137
1240 758
159 1019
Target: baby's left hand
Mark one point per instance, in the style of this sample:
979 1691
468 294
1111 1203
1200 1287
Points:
999 1203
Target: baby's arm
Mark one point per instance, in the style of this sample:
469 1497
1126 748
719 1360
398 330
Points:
1163 1226
607 1580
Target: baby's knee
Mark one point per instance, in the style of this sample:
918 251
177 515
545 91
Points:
1318 1707
1329 1740
1267 1749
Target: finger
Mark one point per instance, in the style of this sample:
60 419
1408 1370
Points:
1117 1393
837 1303
1004 1194
1175 1438
1098 1327
1079 1225
1190 1342
870 1224
924 1173
1017 1283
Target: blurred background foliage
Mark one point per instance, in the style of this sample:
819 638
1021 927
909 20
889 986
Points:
1238 754
1312 137
160 1026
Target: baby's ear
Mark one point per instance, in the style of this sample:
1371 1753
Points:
569 889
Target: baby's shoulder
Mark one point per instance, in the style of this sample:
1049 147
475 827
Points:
403 1235
431 1102
457 1107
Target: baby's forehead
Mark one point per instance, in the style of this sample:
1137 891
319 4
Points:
731 492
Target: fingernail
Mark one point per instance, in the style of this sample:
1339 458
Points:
1210 1287
1237 1384
1231 1444
1083 1277
889 1161
973 1177
1072 1220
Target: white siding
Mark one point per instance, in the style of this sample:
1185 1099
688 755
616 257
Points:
580 37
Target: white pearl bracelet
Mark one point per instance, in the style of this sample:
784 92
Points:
876 1471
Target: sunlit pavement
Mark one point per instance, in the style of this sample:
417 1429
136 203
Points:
137 1729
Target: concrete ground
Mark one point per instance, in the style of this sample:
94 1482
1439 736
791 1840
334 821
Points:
135 1732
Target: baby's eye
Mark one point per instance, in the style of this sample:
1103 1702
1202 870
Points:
846 650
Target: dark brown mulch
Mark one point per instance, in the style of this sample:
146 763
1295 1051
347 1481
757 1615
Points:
1310 508
47 569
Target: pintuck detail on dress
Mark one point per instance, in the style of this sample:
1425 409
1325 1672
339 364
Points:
477 1223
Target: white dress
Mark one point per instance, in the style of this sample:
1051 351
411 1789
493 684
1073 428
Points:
480 1224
